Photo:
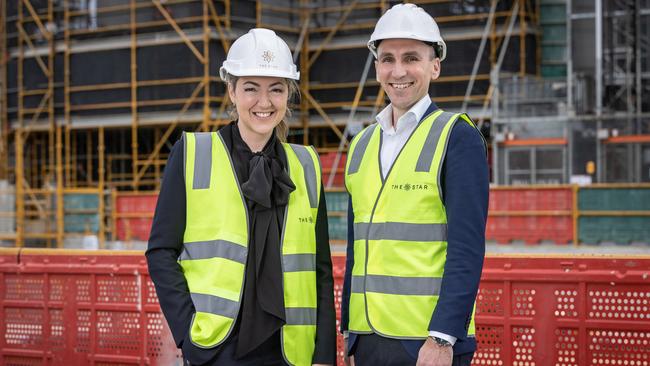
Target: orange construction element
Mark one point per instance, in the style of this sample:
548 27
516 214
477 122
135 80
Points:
628 139
535 142
61 307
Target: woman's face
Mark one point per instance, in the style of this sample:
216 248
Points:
261 103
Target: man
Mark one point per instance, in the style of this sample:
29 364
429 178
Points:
418 184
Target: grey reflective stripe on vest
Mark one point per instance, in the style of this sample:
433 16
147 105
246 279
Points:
215 305
301 316
431 142
400 231
202 160
299 262
360 149
184 139
309 171
214 249
397 285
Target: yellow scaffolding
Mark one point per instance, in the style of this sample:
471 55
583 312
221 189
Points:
53 156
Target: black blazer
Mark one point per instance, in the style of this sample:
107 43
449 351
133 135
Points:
465 187
166 243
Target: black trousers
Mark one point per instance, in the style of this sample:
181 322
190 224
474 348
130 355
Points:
268 353
373 350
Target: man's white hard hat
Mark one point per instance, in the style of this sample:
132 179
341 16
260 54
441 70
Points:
407 21
260 52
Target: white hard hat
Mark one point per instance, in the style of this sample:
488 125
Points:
260 52
407 21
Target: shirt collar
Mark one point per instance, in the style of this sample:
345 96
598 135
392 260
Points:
411 117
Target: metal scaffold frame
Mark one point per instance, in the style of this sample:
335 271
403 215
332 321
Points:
620 87
46 156
4 126
50 152
593 105
522 13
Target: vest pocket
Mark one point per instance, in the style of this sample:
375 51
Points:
209 330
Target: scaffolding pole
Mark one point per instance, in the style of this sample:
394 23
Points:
479 54
20 192
599 86
60 225
304 67
4 120
134 93
344 140
206 66
100 187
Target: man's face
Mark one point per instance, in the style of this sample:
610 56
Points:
405 67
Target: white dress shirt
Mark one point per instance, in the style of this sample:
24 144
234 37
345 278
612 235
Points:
393 139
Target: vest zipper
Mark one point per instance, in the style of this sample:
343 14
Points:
374 207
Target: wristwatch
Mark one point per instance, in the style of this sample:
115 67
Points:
441 342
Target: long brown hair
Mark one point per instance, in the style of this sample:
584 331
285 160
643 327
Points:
282 129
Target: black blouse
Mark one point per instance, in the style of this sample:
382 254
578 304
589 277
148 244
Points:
262 310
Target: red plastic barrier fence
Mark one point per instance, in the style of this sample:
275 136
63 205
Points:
531 214
81 308
327 164
134 215
564 311
99 308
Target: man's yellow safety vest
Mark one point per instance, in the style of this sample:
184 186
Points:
400 230
216 244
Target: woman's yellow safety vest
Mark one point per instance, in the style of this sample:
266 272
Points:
400 230
215 244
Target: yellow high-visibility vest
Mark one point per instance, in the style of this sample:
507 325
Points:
215 245
400 230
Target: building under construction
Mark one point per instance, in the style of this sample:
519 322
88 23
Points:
94 93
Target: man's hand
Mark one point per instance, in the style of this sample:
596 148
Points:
431 354
349 360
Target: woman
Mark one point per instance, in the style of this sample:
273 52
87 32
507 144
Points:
241 260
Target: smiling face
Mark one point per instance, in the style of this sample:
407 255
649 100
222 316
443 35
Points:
261 104
405 67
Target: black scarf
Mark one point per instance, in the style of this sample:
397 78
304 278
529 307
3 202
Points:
266 186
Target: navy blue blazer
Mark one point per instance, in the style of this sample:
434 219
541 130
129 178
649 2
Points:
465 187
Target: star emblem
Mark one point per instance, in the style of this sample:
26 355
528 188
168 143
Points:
268 56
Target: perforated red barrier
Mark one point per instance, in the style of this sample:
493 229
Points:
82 308
531 214
564 311
134 215
100 308
338 271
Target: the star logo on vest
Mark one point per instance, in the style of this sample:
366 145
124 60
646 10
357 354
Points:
268 56
410 187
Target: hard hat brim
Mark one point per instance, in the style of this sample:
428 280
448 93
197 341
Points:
257 72
406 35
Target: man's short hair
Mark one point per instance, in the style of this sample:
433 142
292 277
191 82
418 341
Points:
436 49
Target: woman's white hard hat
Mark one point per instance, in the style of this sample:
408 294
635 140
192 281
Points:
260 52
